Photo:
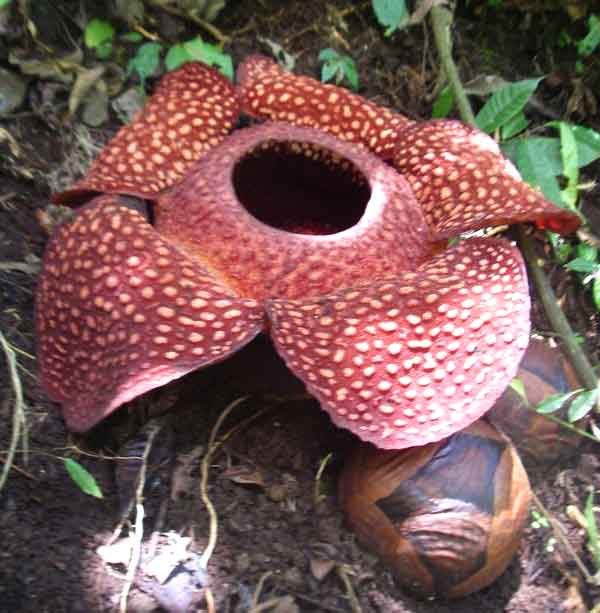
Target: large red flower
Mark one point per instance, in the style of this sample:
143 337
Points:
295 227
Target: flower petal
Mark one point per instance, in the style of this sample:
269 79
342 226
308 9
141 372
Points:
285 171
269 92
191 111
463 181
413 359
120 311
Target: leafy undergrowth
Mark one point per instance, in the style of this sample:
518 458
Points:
272 479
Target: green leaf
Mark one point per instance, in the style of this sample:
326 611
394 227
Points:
132 37
4 3
554 403
588 145
97 32
84 480
390 14
328 71
596 293
104 49
537 170
443 103
329 54
586 46
145 61
210 54
568 150
515 125
582 265
538 147
339 67
517 385
586 252
582 405
505 104
562 248
349 68
176 56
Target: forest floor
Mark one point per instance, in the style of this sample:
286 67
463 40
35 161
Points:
279 525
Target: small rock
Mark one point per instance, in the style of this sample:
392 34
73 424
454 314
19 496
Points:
277 492
12 91
128 104
95 109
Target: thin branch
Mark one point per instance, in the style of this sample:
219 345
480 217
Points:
351 594
214 524
557 318
559 533
18 416
441 19
138 532
212 30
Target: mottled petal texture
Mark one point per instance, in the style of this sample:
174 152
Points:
120 311
463 181
269 92
192 110
282 169
415 358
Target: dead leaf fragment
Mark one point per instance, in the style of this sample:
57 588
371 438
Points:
162 565
117 553
86 79
245 475
321 568
95 109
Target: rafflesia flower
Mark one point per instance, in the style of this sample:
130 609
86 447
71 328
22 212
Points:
296 227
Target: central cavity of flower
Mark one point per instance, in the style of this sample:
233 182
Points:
301 187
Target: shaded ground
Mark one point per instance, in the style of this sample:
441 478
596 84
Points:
274 516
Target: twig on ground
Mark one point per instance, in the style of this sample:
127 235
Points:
355 8
18 414
25 267
204 468
352 598
317 490
441 19
138 532
212 30
258 590
19 470
210 601
559 533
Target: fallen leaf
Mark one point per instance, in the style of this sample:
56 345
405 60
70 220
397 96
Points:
172 554
321 568
86 79
244 475
117 553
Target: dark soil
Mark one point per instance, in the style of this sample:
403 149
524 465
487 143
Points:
275 516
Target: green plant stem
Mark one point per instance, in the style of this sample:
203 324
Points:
557 318
441 20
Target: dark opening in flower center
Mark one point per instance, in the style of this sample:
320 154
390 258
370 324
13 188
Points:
301 187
